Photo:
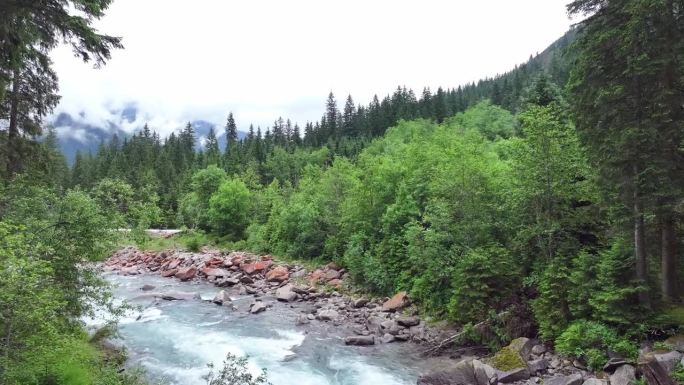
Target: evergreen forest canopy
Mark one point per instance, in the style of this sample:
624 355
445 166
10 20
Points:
546 201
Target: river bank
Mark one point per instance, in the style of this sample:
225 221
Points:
316 305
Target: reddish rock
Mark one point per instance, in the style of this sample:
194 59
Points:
186 273
315 276
397 302
174 264
332 274
278 274
256 267
208 271
169 273
337 283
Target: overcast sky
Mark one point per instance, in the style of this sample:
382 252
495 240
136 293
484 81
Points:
187 60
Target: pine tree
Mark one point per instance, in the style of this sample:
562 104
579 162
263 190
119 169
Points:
211 148
348 128
331 117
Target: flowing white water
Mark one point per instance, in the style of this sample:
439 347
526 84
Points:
174 340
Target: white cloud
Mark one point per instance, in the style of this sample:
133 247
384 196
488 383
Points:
266 58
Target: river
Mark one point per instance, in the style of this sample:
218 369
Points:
174 340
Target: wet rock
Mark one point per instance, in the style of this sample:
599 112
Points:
387 338
359 340
169 273
286 294
246 279
302 320
278 274
186 273
624 375
398 301
147 287
168 297
221 298
257 307
311 317
231 281
327 315
408 321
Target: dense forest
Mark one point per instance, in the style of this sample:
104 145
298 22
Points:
546 201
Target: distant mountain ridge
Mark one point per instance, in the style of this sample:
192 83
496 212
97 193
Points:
75 135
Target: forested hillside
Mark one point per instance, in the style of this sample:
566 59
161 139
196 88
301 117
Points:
546 201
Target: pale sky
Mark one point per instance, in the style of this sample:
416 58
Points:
188 60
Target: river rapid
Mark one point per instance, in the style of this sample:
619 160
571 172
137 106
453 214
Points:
174 340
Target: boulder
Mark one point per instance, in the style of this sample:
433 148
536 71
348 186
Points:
186 273
360 302
594 381
256 267
463 373
513 375
221 298
230 281
523 346
359 340
408 321
624 375
300 289
286 294
398 301
573 379
147 287
539 349
538 365
484 374
655 373
169 273
387 338
278 274
331 274
507 359
668 360
257 307
213 272
336 283
326 315
302 319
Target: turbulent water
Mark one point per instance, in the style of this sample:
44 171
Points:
174 340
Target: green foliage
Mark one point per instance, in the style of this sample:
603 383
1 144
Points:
483 279
492 121
678 374
592 341
235 372
229 208
507 359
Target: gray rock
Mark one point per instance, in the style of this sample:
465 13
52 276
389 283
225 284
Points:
221 298
408 321
257 307
484 374
327 315
519 374
668 360
624 375
594 381
311 317
523 346
286 294
387 338
573 379
300 289
359 340
613 364
538 365
147 287
228 282
539 349
463 373
302 320
360 302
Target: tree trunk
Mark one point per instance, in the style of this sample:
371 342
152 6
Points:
13 142
640 250
668 258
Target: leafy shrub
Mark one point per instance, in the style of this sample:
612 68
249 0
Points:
592 341
229 208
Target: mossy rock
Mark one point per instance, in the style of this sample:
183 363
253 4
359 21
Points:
507 359
676 342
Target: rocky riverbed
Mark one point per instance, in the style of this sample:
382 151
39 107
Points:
315 302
